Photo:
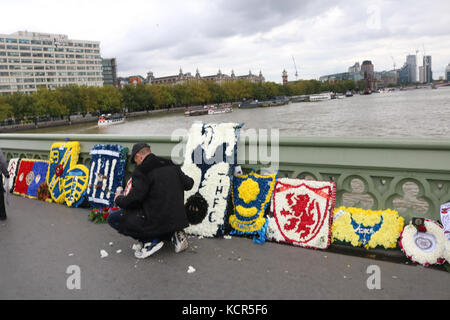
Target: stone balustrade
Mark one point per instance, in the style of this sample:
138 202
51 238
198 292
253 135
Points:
409 175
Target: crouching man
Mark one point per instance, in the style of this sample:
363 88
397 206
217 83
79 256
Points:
153 211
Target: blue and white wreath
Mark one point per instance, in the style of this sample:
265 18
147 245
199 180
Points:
211 153
106 173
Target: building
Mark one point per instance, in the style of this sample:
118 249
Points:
217 78
447 72
109 69
367 69
411 62
428 74
404 76
170 80
387 78
29 60
355 68
421 74
354 76
284 76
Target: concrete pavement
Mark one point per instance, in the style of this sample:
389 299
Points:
40 241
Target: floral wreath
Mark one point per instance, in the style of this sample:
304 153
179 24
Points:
251 195
425 245
367 228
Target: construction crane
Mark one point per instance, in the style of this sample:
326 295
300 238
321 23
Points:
296 72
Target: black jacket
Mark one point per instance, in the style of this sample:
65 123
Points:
155 204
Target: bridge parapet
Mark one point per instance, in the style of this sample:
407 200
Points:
409 175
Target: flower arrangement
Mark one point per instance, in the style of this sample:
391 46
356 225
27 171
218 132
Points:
106 173
24 177
251 195
36 178
43 193
302 213
13 166
75 185
367 228
209 160
425 244
63 157
101 215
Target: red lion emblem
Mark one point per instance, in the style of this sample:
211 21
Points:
302 218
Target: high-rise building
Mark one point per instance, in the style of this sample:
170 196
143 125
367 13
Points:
367 69
447 72
411 61
427 69
109 71
29 60
404 76
421 74
355 68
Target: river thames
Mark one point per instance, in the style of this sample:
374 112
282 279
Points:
420 113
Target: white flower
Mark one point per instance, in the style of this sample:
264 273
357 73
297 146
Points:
216 184
320 194
424 248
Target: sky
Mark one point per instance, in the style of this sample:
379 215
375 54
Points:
321 36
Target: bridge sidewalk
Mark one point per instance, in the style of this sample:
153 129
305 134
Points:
39 241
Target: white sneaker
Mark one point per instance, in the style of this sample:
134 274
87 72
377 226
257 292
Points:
180 242
137 246
148 249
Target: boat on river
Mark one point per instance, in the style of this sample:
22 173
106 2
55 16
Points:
219 109
250 104
107 120
302 98
196 111
320 97
275 102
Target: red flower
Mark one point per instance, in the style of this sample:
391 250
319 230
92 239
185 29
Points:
422 228
115 208
95 210
59 170
105 215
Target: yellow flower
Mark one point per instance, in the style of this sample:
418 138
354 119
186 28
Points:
246 212
386 236
248 190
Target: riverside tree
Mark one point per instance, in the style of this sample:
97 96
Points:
74 99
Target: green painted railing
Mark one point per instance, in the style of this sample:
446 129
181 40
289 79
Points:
411 176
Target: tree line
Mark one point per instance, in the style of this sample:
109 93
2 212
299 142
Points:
82 100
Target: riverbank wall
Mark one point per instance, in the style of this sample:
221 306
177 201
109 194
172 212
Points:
79 119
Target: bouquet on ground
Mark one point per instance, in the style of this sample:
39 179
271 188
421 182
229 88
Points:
43 193
99 215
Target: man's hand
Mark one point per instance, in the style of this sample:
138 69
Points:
115 196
